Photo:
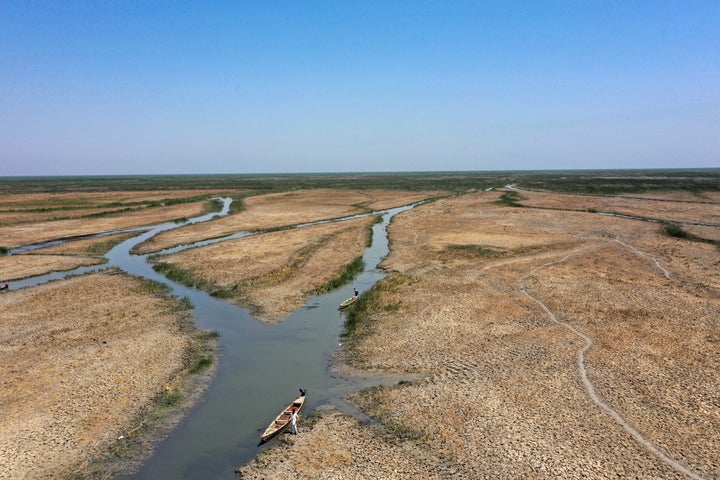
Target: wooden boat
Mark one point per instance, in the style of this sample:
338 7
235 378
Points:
347 302
282 421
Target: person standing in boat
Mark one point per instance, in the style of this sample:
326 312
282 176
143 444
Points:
355 292
293 420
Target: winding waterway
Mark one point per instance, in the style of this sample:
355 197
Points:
261 366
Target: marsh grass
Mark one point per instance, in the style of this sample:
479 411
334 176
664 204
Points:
346 275
171 398
474 250
352 269
577 181
153 287
201 364
370 302
101 248
510 199
184 276
184 303
238 204
674 230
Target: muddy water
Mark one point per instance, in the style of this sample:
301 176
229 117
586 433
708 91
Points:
260 370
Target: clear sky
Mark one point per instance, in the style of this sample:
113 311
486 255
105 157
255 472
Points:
151 87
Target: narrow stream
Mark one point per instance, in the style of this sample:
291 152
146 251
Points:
260 370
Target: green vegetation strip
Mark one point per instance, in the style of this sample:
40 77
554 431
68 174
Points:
474 250
510 198
674 230
570 181
349 273
370 302
184 276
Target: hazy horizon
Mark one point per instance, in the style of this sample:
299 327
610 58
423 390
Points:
118 88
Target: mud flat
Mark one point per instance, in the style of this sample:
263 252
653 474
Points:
81 378
554 344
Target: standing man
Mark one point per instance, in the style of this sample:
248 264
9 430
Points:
293 419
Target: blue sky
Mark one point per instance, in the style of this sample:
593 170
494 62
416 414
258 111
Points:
152 87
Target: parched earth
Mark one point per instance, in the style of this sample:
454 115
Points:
698 209
554 344
263 212
79 378
87 385
27 233
548 343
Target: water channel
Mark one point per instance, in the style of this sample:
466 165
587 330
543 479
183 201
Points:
261 366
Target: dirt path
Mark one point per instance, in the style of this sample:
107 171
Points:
589 342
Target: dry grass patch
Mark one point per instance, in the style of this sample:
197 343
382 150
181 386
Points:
89 246
18 235
324 452
711 233
679 196
263 212
28 201
275 273
503 398
656 357
707 213
77 374
15 267
23 217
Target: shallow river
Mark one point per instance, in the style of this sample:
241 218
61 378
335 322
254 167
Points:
260 370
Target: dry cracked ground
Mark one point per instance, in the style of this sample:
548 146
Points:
550 343
554 344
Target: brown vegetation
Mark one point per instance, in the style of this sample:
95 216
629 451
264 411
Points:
276 210
275 273
16 267
79 374
32 233
89 246
493 306
483 300
701 210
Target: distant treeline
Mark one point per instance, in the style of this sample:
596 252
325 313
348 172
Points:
580 181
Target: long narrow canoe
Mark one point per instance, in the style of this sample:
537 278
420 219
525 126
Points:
282 421
348 302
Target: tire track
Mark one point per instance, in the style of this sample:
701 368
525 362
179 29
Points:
581 357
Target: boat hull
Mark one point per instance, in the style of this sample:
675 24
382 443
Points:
282 421
348 302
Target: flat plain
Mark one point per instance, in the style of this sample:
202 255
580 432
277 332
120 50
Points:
540 341
553 344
